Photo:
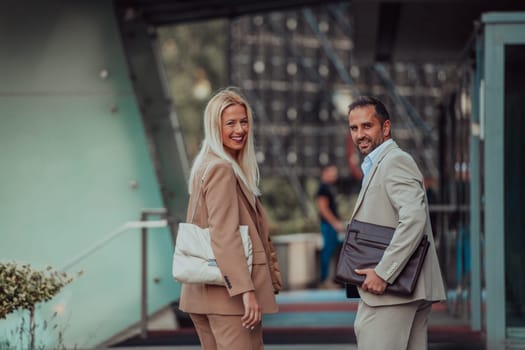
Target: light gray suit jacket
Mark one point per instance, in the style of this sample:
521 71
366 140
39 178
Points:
393 195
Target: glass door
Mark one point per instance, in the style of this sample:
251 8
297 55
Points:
514 175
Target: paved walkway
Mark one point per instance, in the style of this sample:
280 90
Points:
290 347
267 347
313 316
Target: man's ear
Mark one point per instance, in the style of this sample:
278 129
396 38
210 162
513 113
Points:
386 128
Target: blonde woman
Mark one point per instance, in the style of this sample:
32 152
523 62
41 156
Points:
229 317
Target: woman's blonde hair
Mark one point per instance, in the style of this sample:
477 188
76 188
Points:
245 167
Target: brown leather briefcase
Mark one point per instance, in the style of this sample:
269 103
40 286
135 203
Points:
363 248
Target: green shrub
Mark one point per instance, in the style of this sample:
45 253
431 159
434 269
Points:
23 287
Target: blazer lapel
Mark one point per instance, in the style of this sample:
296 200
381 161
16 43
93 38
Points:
250 197
256 210
371 175
262 222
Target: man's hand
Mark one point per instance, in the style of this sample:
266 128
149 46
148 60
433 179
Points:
252 312
373 283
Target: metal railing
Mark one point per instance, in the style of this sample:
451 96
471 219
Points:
144 224
144 275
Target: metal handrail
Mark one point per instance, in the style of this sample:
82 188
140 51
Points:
144 225
144 275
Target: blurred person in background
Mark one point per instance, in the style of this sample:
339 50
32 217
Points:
331 225
229 317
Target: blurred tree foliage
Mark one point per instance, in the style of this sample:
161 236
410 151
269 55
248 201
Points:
194 57
284 211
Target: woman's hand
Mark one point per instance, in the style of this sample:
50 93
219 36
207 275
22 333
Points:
252 311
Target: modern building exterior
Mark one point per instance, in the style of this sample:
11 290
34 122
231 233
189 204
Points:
90 144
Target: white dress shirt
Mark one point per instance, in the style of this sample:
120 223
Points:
369 160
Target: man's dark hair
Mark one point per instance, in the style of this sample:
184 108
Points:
362 101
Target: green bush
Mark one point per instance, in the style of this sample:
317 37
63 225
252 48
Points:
23 287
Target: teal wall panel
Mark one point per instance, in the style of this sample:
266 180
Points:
71 144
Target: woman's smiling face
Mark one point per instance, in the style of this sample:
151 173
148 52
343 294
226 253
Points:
235 128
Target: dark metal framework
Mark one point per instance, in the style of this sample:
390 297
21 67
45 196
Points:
299 65
168 12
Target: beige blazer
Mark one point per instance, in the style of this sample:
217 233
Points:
225 203
393 195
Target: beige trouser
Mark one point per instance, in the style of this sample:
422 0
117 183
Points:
225 332
396 327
